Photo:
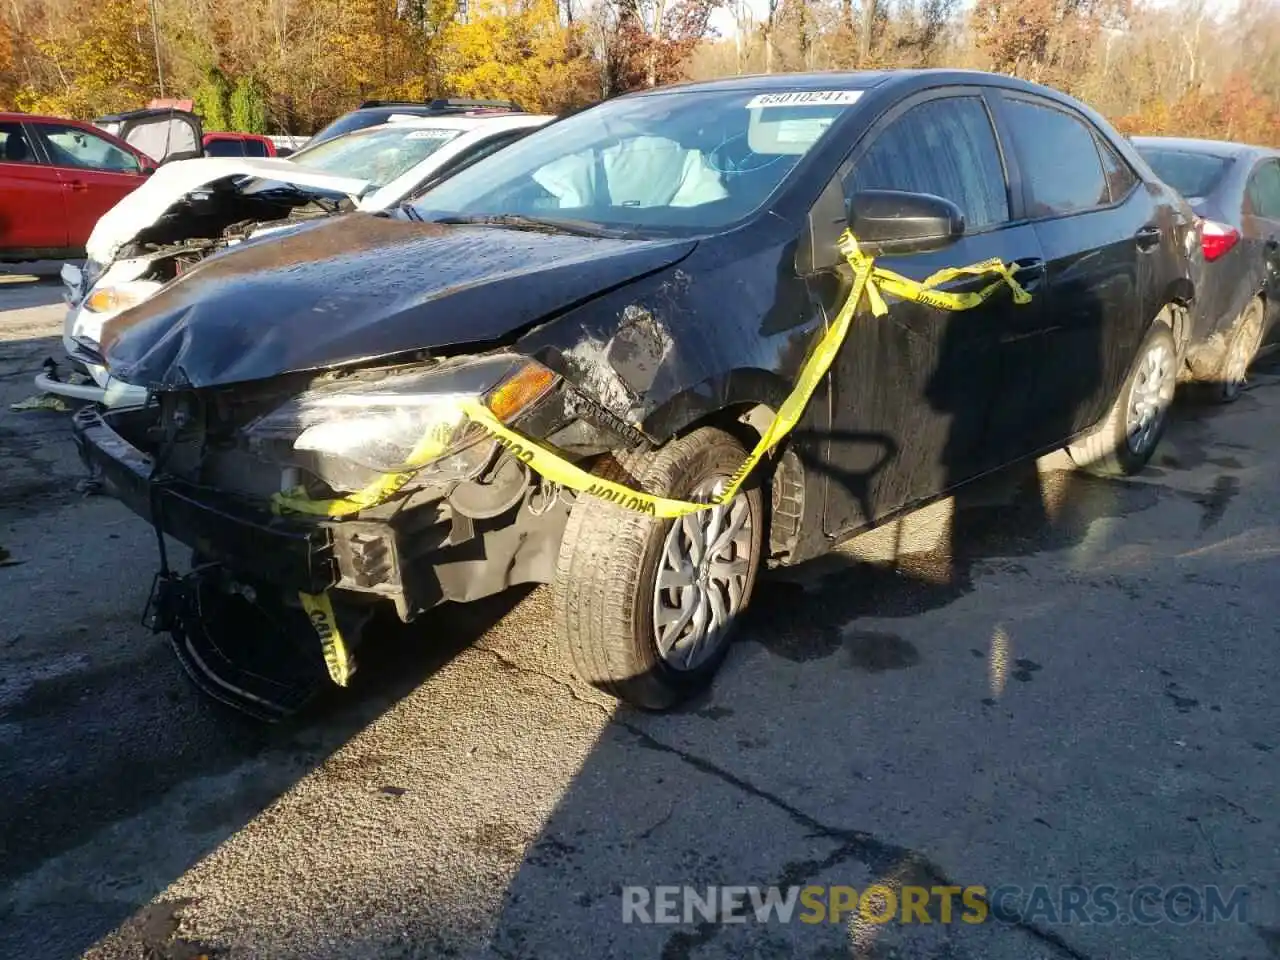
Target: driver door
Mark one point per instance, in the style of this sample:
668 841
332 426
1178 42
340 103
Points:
93 172
913 391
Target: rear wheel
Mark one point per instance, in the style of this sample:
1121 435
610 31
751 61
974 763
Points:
1123 442
1242 347
647 607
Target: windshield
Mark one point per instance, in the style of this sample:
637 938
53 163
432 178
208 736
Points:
1191 174
379 154
675 161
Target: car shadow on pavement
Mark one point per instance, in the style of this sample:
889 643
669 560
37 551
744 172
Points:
875 723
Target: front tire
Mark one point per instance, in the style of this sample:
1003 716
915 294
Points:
1123 442
646 607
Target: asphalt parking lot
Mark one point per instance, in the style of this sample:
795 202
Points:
1067 683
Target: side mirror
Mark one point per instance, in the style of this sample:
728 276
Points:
893 222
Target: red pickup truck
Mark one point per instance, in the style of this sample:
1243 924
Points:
238 145
57 177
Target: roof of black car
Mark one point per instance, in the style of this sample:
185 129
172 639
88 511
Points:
1219 148
839 80
853 80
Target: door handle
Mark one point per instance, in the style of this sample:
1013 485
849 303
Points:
1147 238
1028 265
1028 271
78 185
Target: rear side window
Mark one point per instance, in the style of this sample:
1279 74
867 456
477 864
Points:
1120 176
1059 160
255 148
14 145
1191 174
1264 190
945 147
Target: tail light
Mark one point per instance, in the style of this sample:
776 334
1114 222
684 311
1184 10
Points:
1217 238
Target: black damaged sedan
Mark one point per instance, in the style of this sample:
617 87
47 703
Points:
634 292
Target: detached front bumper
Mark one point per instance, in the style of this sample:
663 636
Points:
253 542
416 557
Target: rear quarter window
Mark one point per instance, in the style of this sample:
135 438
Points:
1120 176
1058 159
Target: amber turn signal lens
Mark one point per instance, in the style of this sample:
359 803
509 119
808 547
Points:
528 384
100 301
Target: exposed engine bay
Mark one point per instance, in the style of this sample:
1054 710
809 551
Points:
207 222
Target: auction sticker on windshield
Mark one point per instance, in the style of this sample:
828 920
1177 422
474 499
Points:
804 98
430 134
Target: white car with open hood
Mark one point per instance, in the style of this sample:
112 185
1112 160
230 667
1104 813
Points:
191 209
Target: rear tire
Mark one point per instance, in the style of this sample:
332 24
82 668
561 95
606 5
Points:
623 634
1242 347
1123 442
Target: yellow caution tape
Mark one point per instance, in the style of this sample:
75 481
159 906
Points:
320 611
867 278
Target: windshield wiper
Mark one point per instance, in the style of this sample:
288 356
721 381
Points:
580 228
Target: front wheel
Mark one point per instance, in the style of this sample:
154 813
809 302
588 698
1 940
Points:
1126 438
646 607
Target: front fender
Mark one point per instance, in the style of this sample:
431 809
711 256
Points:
730 325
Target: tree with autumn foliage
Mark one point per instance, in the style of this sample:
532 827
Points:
518 50
102 63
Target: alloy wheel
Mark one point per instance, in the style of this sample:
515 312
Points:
1150 395
701 579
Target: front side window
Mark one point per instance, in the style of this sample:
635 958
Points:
14 145
1264 190
945 147
377 154
74 147
688 162
1059 160
254 148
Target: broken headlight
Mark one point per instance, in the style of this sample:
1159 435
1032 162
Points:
404 422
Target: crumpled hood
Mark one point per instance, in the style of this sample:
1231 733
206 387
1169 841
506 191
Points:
359 287
173 182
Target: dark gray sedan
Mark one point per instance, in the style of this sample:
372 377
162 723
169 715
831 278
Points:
1235 188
